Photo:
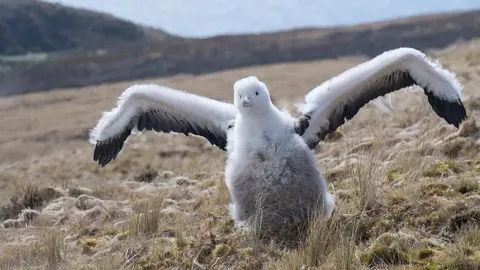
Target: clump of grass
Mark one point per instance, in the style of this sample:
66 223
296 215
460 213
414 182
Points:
453 149
327 241
91 245
30 197
222 194
147 176
467 185
461 257
365 180
443 168
11 210
425 253
470 234
464 219
392 176
435 189
46 251
383 254
336 174
362 225
148 217
436 219
397 198
469 128
391 249
53 249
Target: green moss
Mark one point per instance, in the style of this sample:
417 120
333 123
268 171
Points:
396 199
390 248
476 167
435 189
122 235
443 168
433 218
392 176
245 252
430 267
383 254
187 262
219 250
110 232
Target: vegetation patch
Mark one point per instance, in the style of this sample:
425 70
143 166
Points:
461 219
443 168
30 197
390 248
147 176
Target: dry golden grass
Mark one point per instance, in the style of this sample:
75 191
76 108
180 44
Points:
407 184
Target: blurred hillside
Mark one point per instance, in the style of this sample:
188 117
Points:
151 55
35 26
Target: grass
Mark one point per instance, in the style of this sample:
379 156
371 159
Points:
403 200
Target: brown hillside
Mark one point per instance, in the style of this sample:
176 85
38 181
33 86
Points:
199 56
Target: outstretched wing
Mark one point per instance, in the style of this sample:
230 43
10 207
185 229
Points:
328 105
162 109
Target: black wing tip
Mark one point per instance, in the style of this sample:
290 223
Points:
462 115
107 150
453 112
99 155
103 159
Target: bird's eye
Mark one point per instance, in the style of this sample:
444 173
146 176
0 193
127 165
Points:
256 93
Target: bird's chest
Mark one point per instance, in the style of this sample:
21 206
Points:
261 162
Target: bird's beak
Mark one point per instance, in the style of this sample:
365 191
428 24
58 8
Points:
246 101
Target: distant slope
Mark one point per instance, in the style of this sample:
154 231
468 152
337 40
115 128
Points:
197 56
35 26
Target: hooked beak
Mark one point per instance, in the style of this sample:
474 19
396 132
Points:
246 101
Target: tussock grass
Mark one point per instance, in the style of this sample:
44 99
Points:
148 217
45 251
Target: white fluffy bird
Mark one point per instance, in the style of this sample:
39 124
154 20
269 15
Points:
269 151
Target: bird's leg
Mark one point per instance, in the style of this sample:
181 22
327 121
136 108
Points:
239 221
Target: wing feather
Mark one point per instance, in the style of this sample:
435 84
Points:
160 109
327 106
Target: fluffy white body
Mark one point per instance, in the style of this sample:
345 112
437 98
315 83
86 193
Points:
273 177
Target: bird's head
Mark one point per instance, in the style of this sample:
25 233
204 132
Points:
251 95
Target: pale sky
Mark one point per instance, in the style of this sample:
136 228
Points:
200 18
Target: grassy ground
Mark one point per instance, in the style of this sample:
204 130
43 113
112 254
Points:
406 183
